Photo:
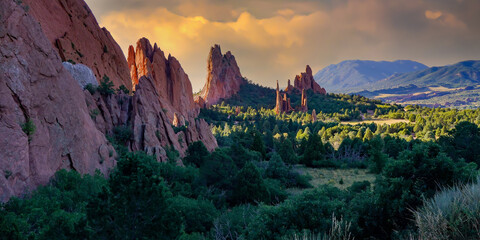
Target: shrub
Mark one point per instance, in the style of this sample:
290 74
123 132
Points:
453 213
123 89
29 128
91 88
106 86
122 134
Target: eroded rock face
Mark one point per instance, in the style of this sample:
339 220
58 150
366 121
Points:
168 77
305 81
303 102
74 32
283 104
144 116
224 78
39 95
81 73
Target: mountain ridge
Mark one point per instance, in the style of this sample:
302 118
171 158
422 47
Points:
354 75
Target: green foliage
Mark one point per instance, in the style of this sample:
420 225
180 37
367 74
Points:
249 186
123 89
106 86
29 128
56 211
453 213
91 88
197 153
122 134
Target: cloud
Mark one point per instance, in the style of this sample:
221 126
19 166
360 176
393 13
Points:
275 39
433 14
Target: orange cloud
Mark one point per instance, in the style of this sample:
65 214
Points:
279 43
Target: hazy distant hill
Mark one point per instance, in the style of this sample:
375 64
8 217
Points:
462 74
356 75
456 85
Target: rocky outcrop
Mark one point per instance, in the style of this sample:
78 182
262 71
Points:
314 115
162 100
283 104
289 88
169 80
74 32
81 73
143 117
44 122
303 102
305 81
224 78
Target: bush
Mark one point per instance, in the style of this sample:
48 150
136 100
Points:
29 128
453 213
106 86
91 88
122 134
123 89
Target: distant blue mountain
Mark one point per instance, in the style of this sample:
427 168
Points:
462 74
357 75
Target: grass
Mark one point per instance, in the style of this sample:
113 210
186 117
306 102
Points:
334 177
453 213
377 121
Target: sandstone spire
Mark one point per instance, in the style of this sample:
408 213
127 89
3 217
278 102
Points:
304 107
282 103
224 78
171 82
305 81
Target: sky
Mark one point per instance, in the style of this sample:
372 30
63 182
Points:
275 39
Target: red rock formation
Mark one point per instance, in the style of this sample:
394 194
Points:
282 104
224 78
303 106
305 81
170 81
289 87
73 30
36 88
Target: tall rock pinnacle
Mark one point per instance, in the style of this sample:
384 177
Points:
171 82
224 78
305 81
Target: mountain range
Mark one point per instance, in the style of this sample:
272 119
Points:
455 85
355 75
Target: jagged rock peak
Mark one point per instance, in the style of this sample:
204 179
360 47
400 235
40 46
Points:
75 34
224 78
169 79
282 103
306 81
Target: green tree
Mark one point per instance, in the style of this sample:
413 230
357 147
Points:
196 154
249 186
137 203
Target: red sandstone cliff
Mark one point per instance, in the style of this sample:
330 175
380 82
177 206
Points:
74 32
36 89
224 78
168 77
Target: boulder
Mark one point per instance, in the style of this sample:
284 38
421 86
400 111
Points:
83 74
